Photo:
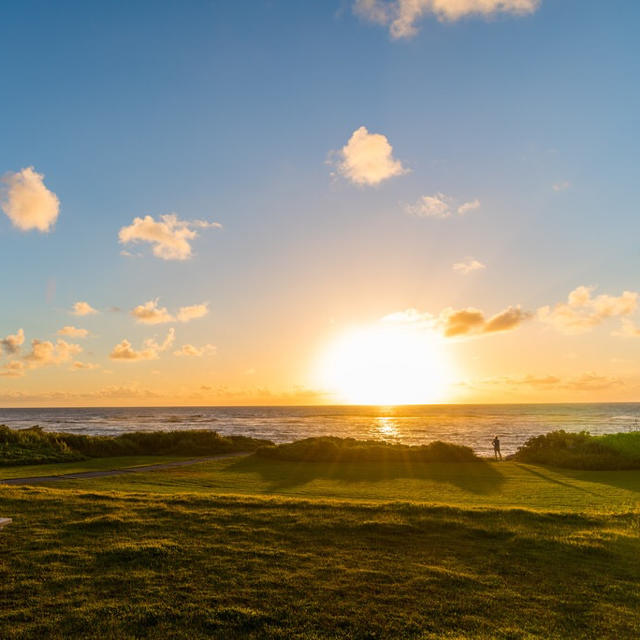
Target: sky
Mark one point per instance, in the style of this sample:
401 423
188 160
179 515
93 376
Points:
319 202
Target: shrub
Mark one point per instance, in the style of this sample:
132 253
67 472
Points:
582 450
330 449
35 446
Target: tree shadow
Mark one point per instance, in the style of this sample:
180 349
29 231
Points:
479 477
628 479
548 478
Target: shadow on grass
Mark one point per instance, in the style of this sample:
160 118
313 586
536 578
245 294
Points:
548 478
474 477
621 479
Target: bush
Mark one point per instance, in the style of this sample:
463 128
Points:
35 446
583 451
330 449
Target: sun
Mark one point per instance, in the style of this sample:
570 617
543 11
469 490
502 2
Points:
386 365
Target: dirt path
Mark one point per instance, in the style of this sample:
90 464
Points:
116 472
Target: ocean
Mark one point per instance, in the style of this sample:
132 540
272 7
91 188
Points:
472 425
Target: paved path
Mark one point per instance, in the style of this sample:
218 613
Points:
116 472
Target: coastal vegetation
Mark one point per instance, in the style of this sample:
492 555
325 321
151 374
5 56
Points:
583 451
36 446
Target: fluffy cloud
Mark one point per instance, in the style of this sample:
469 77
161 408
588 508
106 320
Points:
151 313
12 343
45 352
83 309
73 332
469 265
191 351
170 237
27 202
460 322
367 158
192 312
439 206
150 350
628 329
13 369
401 15
582 311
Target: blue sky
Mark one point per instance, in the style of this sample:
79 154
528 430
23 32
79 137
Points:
230 113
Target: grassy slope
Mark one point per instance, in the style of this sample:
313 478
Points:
83 564
506 484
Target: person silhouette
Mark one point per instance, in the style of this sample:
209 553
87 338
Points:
496 447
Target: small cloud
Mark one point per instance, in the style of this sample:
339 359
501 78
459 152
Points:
170 237
83 309
465 207
13 369
185 314
150 350
77 366
151 313
628 330
583 311
439 206
401 16
73 332
190 351
12 343
367 159
561 186
27 202
468 266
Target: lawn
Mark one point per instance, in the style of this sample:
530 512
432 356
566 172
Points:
254 548
506 484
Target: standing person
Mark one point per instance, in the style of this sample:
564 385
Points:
496 447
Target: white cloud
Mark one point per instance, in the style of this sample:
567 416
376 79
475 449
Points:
190 350
83 309
45 352
367 158
12 343
171 237
27 202
439 206
401 16
192 312
73 332
150 350
469 265
151 313
582 311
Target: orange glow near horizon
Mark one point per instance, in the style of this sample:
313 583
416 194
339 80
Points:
386 365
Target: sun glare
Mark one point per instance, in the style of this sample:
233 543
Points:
386 365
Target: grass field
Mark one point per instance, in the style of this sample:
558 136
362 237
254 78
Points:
266 549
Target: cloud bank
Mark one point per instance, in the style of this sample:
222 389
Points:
27 202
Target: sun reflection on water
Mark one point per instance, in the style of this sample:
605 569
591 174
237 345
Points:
386 428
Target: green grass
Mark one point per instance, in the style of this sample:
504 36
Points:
86 564
260 548
475 484
92 464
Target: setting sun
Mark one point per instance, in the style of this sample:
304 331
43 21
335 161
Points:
386 365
